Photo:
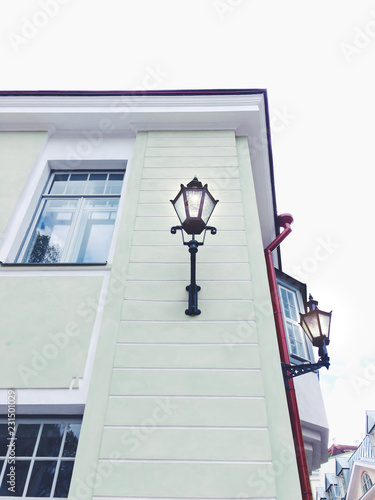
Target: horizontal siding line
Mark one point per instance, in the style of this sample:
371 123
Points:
124 497
192 167
184 300
220 154
189 427
183 281
179 245
218 263
184 321
167 203
194 146
173 215
207 344
212 180
193 157
182 396
202 321
180 461
178 176
184 264
169 369
143 190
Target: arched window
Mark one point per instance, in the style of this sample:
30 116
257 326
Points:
366 482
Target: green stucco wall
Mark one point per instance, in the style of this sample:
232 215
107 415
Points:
187 407
18 153
45 322
45 330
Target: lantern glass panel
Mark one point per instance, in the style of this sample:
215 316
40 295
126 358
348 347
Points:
179 206
325 320
310 324
208 207
194 198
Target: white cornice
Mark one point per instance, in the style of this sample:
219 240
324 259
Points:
129 112
138 101
126 114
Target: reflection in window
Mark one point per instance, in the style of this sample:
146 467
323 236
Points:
75 219
44 458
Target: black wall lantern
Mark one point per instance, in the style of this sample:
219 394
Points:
316 324
194 205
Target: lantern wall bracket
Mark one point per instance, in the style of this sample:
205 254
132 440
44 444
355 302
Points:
291 371
193 288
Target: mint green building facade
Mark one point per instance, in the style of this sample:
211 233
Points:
172 406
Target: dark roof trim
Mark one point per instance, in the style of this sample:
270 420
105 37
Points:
132 92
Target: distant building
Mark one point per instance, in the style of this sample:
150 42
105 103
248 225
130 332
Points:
354 475
339 449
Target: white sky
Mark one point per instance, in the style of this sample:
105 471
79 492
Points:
316 59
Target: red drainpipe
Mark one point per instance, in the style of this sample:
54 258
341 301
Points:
284 221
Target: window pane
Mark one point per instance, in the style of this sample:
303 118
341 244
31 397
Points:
41 478
96 228
3 439
292 341
76 184
299 342
114 184
291 301
50 235
71 440
21 468
26 438
96 184
63 479
287 310
50 440
59 184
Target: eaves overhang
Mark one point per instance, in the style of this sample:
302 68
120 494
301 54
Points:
127 112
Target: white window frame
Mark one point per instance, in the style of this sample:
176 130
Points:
41 421
81 198
366 482
341 482
305 355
